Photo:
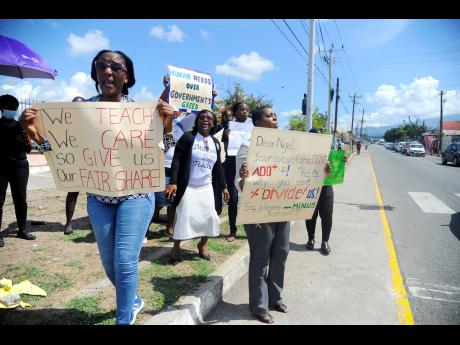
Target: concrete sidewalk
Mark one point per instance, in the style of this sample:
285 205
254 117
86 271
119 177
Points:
37 163
350 286
353 285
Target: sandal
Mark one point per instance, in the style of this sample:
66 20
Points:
265 318
201 255
231 238
282 308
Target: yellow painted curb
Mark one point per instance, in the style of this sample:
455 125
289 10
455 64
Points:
404 310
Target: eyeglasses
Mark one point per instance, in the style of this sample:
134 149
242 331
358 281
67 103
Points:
205 117
114 66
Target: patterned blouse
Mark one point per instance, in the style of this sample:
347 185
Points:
45 146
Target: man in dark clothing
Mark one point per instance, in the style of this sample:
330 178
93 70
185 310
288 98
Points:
304 104
14 167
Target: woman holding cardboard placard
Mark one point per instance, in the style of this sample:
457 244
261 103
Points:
119 223
268 242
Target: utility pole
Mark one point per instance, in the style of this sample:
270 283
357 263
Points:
362 120
337 97
330 97
352 119
311 64
440 122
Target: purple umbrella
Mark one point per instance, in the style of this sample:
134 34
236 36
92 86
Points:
18 60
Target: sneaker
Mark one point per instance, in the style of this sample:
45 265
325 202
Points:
2 243
25 235
137 307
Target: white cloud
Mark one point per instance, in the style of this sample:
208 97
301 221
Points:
91 42
246 66
47 90
420 99
175 34
204 34
144 95
382 31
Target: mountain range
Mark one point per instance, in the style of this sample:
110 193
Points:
430 123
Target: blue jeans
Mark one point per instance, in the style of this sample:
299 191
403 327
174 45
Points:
119 230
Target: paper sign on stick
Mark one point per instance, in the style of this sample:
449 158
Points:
189 91
286 173
107 148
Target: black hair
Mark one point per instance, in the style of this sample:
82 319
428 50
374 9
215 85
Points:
257 114
316 130
129 66
214 122
9 102
236 106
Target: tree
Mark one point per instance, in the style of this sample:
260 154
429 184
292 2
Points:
406 131
297 122
238 95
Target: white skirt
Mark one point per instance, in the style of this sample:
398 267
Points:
196 215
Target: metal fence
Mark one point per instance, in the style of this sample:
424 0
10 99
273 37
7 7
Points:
27 103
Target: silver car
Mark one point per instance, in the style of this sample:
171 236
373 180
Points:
416 150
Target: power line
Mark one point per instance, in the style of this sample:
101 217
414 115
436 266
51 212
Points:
289 41
404 55
305 29
295 37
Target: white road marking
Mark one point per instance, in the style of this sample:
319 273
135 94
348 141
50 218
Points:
429 203
433 294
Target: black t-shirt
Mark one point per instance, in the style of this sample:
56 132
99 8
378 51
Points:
14 142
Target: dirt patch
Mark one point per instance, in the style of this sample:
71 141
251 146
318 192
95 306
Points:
64 265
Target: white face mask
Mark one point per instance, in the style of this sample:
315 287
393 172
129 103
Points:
10 114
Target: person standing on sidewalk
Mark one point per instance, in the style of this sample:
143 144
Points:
119 223
14 167
241 112
358 147
71 199
197 183
324 207
268 242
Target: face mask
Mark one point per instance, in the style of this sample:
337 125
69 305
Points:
10 114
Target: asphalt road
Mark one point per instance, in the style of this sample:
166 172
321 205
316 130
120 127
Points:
427 244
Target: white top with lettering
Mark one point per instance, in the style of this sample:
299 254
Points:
240 132
204 156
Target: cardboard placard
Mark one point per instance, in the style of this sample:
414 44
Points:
189 91
286 174
106 148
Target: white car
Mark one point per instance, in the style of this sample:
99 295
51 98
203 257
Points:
416 150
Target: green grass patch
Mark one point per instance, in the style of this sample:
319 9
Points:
223 247
80 236
87 310
74 264
39 248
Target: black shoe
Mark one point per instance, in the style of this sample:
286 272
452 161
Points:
2 243
325 249
310 244
68 229
25 235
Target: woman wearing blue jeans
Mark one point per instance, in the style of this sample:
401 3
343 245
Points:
119 223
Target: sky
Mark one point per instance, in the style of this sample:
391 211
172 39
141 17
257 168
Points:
397 67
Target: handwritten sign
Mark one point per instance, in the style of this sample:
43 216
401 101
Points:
106 148
240 132
336 160
189 90
286 173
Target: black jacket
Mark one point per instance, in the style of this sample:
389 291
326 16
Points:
180 170
13 141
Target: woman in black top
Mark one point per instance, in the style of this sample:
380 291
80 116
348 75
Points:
14 167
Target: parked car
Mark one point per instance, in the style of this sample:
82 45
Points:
451 154
404 148
416 150
400 146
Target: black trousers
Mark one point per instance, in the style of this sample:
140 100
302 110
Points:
230 171
324 207
16 173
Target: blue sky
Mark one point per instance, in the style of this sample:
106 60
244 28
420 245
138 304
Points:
397 66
